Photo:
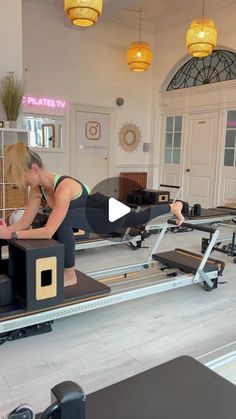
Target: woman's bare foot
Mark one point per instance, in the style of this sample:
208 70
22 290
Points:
176 208
70 277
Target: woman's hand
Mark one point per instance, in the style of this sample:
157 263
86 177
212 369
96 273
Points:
176 208
5 233
2 224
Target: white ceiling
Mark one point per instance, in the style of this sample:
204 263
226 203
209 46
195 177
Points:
160 14
156 14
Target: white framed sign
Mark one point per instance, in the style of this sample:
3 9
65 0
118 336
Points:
92 133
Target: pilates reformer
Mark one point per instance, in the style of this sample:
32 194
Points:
131 237
210 216
226 243
32 293
182 388
134 241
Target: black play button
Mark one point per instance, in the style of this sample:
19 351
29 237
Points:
111 206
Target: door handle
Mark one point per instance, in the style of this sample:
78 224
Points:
187 170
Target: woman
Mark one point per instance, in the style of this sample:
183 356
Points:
70 203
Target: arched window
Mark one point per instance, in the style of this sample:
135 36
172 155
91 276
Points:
219 66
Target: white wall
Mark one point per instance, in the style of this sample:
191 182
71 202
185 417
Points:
170 44
170 54
10 39
87 67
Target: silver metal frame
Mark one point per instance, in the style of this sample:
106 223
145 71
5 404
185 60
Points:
211 220
112 241
69 310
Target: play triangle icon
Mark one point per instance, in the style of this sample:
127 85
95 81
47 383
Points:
116 210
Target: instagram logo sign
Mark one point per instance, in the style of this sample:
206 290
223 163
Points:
93 130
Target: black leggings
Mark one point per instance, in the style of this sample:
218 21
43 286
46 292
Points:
95 220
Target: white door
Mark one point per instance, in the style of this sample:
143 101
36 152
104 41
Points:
89 144
172 135
199 166
227 175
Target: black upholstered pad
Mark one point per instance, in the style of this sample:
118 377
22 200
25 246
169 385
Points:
179 389
11 309
228 210
185 262
86 287
208 213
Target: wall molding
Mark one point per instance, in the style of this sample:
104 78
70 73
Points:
131 166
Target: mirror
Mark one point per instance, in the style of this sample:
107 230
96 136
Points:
129 137
48 135
45 131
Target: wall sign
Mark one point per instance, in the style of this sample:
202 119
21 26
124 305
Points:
44 101
92 132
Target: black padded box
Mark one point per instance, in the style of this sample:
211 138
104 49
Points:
145 196
37 271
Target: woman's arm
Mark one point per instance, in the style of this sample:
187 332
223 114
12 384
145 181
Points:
30 212
62 202
27 218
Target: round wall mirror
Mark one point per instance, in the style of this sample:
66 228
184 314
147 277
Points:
129 137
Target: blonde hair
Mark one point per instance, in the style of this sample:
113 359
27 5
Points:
18 159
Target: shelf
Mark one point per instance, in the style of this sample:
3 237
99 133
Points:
17 198
16 130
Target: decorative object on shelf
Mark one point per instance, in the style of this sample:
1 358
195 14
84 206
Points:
11 95
83 12
129 137
1 124
139 54
201 36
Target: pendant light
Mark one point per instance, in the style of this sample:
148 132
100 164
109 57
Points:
201 36
83 12
139 54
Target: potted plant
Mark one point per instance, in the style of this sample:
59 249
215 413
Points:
11 95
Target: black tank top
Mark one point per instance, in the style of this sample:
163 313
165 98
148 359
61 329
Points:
81 200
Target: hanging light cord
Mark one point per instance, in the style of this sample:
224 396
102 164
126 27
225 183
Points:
140 22
203 9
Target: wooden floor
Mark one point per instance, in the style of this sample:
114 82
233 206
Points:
101 347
